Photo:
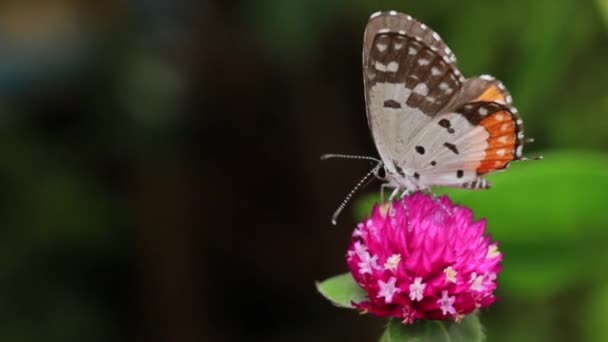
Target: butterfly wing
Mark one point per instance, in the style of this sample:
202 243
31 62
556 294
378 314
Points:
457 147
483 88
409 76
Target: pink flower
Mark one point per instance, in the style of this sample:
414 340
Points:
439 265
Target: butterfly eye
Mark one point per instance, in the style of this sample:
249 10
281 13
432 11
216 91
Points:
381 173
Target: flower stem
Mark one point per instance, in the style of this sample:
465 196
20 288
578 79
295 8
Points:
445 331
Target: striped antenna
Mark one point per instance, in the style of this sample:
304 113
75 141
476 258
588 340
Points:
348 156
529 141
334 217
533 158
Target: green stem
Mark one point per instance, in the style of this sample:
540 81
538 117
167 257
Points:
445 331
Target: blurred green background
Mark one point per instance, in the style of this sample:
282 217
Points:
161 180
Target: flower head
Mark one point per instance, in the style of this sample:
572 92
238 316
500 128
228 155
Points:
423 258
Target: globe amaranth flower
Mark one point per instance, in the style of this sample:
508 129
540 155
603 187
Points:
423 258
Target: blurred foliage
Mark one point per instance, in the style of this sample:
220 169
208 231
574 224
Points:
98 97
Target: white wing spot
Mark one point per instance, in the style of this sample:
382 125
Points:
381 47
424 27
430 99
443 86
402 32
509 99
503 139
379 66
375 14
500 152
436 36
499 117
392 67
435 71
398 46
519 122
412 51
483 111
392 12
487 77
421 89
520 135
384 30
409 17
518 151
423 61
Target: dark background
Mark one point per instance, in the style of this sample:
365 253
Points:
161 179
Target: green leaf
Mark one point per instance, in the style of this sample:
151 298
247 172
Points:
341 290
593 317
469 330
603 8
549 217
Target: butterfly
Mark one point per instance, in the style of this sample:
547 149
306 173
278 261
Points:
431 126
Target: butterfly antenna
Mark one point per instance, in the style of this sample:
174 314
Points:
347 156
529 141
334 217
533 158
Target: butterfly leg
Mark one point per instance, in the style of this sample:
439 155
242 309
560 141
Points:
436 200
382 187
394 194
391 210
405 210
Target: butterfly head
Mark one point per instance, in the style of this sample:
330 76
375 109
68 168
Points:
400 177
381 172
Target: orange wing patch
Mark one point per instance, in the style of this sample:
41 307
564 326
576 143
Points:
493 94
501 143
